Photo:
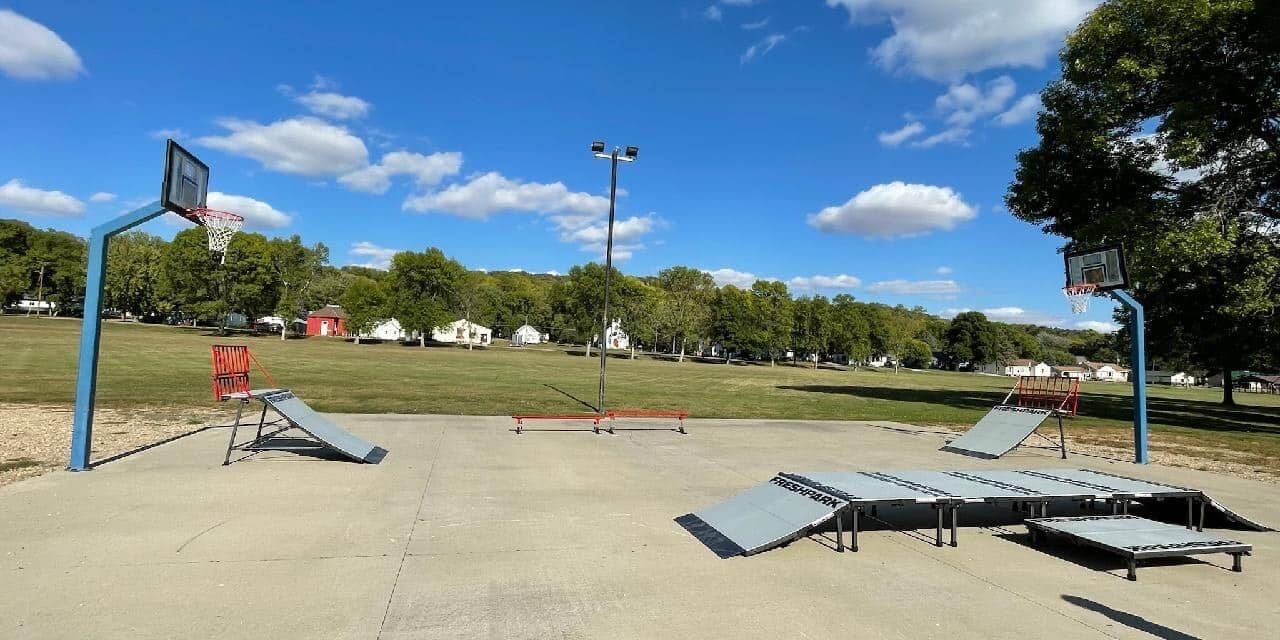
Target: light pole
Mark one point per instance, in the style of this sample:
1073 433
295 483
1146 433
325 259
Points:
628 155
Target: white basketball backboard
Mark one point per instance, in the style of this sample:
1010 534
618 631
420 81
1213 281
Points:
186 180
1102 267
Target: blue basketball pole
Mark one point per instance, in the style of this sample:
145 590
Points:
91 330
1138 360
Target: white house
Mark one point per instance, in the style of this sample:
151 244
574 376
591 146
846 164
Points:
1106 371
881 361
526 334
616 338
462 332
1172 378
1021 367
1079 373
37 306
386 330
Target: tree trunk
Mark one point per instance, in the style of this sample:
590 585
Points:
422 340
588 350
283 328
815 362
681 358
633 352
1228 397
772 362
357 338
727 356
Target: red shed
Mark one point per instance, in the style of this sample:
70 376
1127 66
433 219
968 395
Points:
329 321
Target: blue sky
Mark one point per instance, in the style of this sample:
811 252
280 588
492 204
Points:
858 146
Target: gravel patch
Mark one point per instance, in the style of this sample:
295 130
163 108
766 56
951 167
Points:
36 439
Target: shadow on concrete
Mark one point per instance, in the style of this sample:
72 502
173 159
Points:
1186 413
1128 619
146 447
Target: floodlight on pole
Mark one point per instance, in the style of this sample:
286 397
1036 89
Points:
597 149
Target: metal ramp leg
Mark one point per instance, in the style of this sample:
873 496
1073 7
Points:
938 540
853 528
1133 569
839 533
1235 562
955 508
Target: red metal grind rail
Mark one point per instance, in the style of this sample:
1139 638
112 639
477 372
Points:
611 415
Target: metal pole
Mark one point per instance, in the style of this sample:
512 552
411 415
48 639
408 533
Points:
608 269
1137 360
91 331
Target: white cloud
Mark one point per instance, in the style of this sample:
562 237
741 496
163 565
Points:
426 170
896 209
374 256
257 214
1098 325
941 288
713 13
763 47
740 279
1013 315
334 105
489 193
17 196
1024 109
954 134
590 233
32 51
102 196
164 134
945 271
842 281
947 39
965 103
758 24
897 137
305 146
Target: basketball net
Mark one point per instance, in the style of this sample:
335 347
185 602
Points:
220 226
1078 295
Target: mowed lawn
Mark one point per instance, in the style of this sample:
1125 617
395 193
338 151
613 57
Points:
150 366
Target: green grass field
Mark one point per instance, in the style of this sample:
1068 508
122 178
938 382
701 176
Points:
148 366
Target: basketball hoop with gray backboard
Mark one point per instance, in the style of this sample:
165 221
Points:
185 192
1102 269
1093 271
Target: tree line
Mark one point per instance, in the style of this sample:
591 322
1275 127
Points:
679 311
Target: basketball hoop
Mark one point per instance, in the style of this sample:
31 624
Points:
1078 295
220 226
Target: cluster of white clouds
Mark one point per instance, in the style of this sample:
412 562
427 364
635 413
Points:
896 209
316 147
963 106
944 40
372 255
933 288
32 51
257 214
19 197
1018 315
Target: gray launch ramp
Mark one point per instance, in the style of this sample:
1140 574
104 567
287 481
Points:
998 432
302 417
762 517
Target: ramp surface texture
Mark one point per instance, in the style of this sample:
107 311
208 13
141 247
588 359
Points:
303 417
998 432
762 517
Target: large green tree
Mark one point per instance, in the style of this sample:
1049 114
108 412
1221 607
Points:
578 300
365 302
297 269
813 326
1163 134
773 317
733 321
687 303
971 339
421 290
132 283
850 331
